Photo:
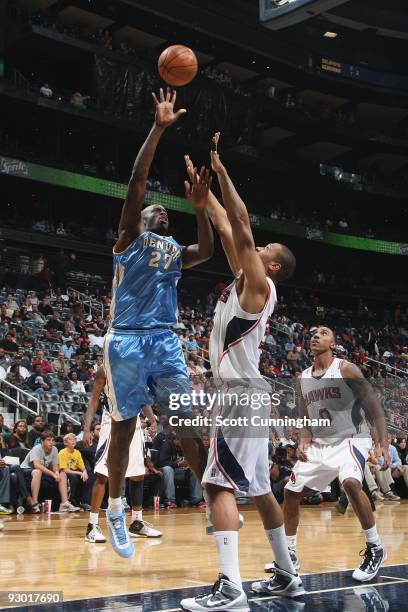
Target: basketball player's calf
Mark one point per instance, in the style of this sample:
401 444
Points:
374 554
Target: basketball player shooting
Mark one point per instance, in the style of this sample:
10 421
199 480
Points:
336 388
143 358
241 464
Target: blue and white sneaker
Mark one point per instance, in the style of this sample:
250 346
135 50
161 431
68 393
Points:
118 534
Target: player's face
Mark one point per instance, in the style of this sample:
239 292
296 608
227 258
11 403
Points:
269 256
155 219
322 340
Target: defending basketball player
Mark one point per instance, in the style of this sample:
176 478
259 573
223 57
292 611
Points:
135 469
241 464
337 388
143 358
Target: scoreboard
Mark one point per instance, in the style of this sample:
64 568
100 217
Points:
277 14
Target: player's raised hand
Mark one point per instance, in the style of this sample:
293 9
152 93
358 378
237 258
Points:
216 164
165 114
199 186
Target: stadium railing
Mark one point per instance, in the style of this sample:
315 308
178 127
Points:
17 400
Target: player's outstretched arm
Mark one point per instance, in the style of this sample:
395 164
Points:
255 289
197 194
130 220
99 383
219 218
363 392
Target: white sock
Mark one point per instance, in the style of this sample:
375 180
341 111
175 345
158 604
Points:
371 536
115 504
279 545
94 518
137 515
291 541
227 548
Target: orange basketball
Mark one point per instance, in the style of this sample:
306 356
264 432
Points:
177 65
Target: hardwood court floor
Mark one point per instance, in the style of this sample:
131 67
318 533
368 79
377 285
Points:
39 553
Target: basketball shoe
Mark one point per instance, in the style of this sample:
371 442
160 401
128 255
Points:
94 534
118 534
373 558
143 529
270 567
224 595
280 583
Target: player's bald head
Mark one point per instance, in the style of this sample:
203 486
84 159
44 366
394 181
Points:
279 261
155 219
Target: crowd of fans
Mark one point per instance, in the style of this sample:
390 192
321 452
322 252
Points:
51 347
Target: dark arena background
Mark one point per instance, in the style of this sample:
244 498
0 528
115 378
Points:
311 99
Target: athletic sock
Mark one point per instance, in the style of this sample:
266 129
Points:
227 548
137 515
291 541
115 504
94 518
279 545
371 536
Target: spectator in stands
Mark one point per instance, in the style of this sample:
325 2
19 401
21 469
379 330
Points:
4 430
14 377
39 382
67 348
46 91
10 495
62 383
60 230
98 363
35 315
44 307
71 462
5 359
11 303
20 369
200 366
384 478
19 437
34 298
9 343
191 344
401 446
54 327
78 100
77 386
398 470
39 360
2 373
171 464
41 463
37 428
60 364
96 338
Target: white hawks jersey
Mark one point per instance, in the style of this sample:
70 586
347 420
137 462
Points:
330 397
237 335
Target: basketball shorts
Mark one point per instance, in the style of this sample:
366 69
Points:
238 455
143 368
136 465
345 459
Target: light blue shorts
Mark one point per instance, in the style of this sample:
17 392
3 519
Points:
143 367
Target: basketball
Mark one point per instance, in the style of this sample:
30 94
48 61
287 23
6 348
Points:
177 65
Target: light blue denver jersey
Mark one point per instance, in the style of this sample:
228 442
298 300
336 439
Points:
145 276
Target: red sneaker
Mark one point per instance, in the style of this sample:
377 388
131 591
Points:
171 506
201 504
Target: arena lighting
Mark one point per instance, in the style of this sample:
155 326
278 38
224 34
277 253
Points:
330 34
